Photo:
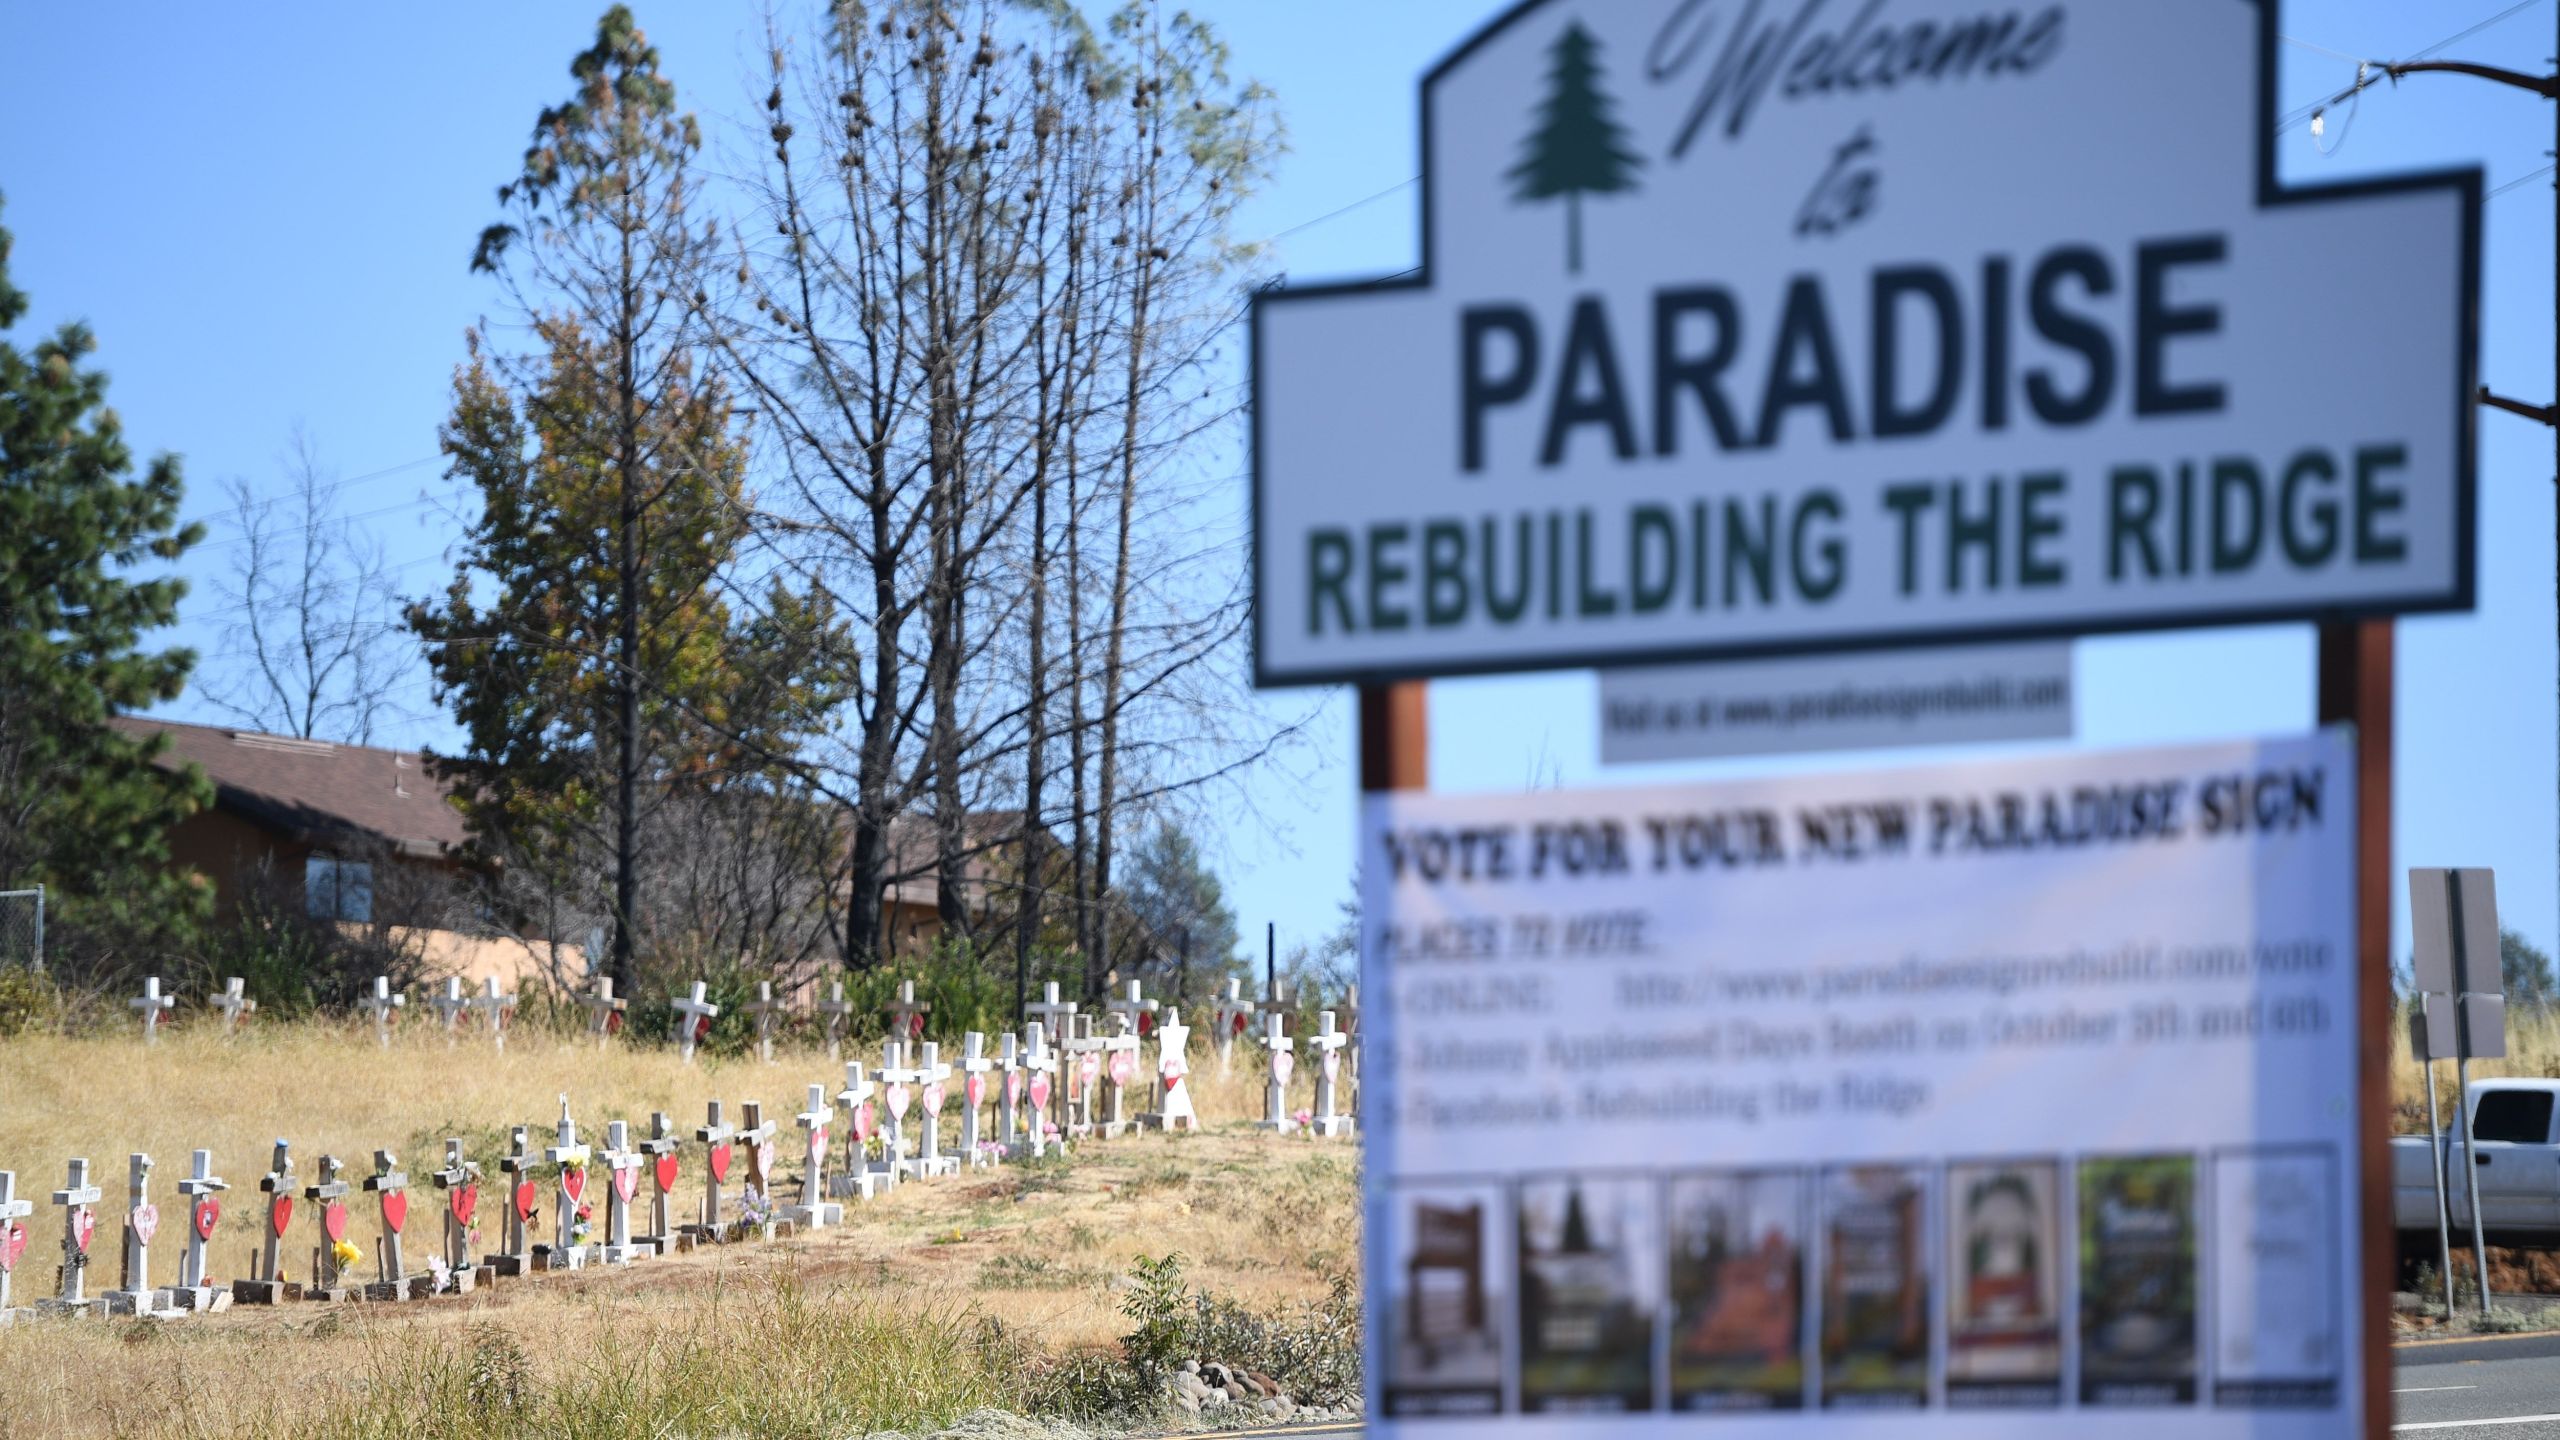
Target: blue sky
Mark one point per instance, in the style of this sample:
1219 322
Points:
265 212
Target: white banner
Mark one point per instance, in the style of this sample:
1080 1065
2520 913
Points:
1749 327
1836 702
1996 1100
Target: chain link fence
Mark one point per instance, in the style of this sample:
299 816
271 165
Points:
22 927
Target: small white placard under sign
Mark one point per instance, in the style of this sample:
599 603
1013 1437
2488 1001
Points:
1860 701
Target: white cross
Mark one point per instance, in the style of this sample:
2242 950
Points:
1052 1011
605 1006
1008 1069
932 1073
1081 1046
839 1013
850 1099
233 1004
910 1012
519 1159
450 1005
387 1180
494 1008
200 1183
620 1160
275 1184
662 1142
385 1007
764 1008
1276 1042
893 1075
324 1270
12 1210
1325 1048
1129 1012
693 1020
153 1005
813 1176
1037 1059
136 1285
569 1155
1229 1018
75 1197
974 1066
714 1133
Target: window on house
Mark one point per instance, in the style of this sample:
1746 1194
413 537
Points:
335 889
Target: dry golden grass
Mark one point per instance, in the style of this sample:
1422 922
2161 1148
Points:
2533 1053
878 1322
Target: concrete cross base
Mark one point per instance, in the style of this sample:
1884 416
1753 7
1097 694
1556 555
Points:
560 1257
203 1299
624 1254
1114 1129
1332 1127
1178 1122
140 1304
869 1185
462 1282
815 1217
690 1236
407 1287
1277 1127
9 1316
928 1167
342 1292
981 1158
509 1266
264 1292
68 1309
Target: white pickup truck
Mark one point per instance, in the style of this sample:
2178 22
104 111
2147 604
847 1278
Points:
2516 1153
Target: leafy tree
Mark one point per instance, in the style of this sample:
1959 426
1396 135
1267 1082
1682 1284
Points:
1579 148
84 811
2530 979
1180 908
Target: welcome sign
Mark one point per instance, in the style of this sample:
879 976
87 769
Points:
1762 326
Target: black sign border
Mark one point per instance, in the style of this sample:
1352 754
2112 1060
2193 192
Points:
2467 182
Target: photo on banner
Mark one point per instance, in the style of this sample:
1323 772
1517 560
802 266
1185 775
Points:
2277 1340
2138 1257
1450 1296
1590 1293
1738 1310
1875 1287
2005 1263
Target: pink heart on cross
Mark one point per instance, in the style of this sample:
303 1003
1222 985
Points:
720 1156
1124 1066
1332 1066
933 1098
1012 1087
975 1087
1040 1091
333 1220
667 1168
764 1161
463 1201
864 1118
84 1223
1090 1068
279 1213
1283 1065
528 1199
13 1243
898 1098
208 1214
626 1178
395 1210
818 1141
573 1181
145 1220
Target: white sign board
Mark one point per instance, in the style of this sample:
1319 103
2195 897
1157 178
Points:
1953 696
1749 328
1898 1093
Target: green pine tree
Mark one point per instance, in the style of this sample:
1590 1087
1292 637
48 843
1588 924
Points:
84 811
1579 148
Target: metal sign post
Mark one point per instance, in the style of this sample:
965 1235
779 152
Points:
2453 917
2430 1035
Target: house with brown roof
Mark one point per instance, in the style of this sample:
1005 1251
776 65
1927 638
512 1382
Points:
362 836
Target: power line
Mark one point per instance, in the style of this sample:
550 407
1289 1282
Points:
2524 179
2368 69
1345 210
332 488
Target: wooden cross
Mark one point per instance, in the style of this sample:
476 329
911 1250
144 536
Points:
605 1007
974 1067
909 1012
757 1135
1228 1020
1325 1048
450 1005
1173 1108
203 1211
569 1155
931 1073
517 1165
390 1185
714 1135
385 1007
1277 1044
277 1186
839 1013
141 1222
12 1210
1037 1062
662 1148
622 1179
693 1021
1084 1057
459 1179
79 1221
494 1008
322 1193
893 1077
233 1005
812 1120
765 1008
153 1005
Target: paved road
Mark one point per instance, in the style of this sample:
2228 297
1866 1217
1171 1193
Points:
2507 1389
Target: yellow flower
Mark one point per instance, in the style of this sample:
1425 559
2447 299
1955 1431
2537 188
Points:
346 1253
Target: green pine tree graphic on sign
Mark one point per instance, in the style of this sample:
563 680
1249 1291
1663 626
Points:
1579 148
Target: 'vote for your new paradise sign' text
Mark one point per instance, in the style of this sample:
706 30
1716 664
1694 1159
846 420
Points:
1751 327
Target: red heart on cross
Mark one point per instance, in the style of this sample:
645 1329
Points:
899 1095
528 1199
84 1223
626 1178
462 1200
1173 1082
863 1119
279 1213
13 1243
975 1087
915 1026
667 1168
1236 1028
1040 1091
395 1210
333 1220
145 1220
573 1181
208 1214
720 1155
